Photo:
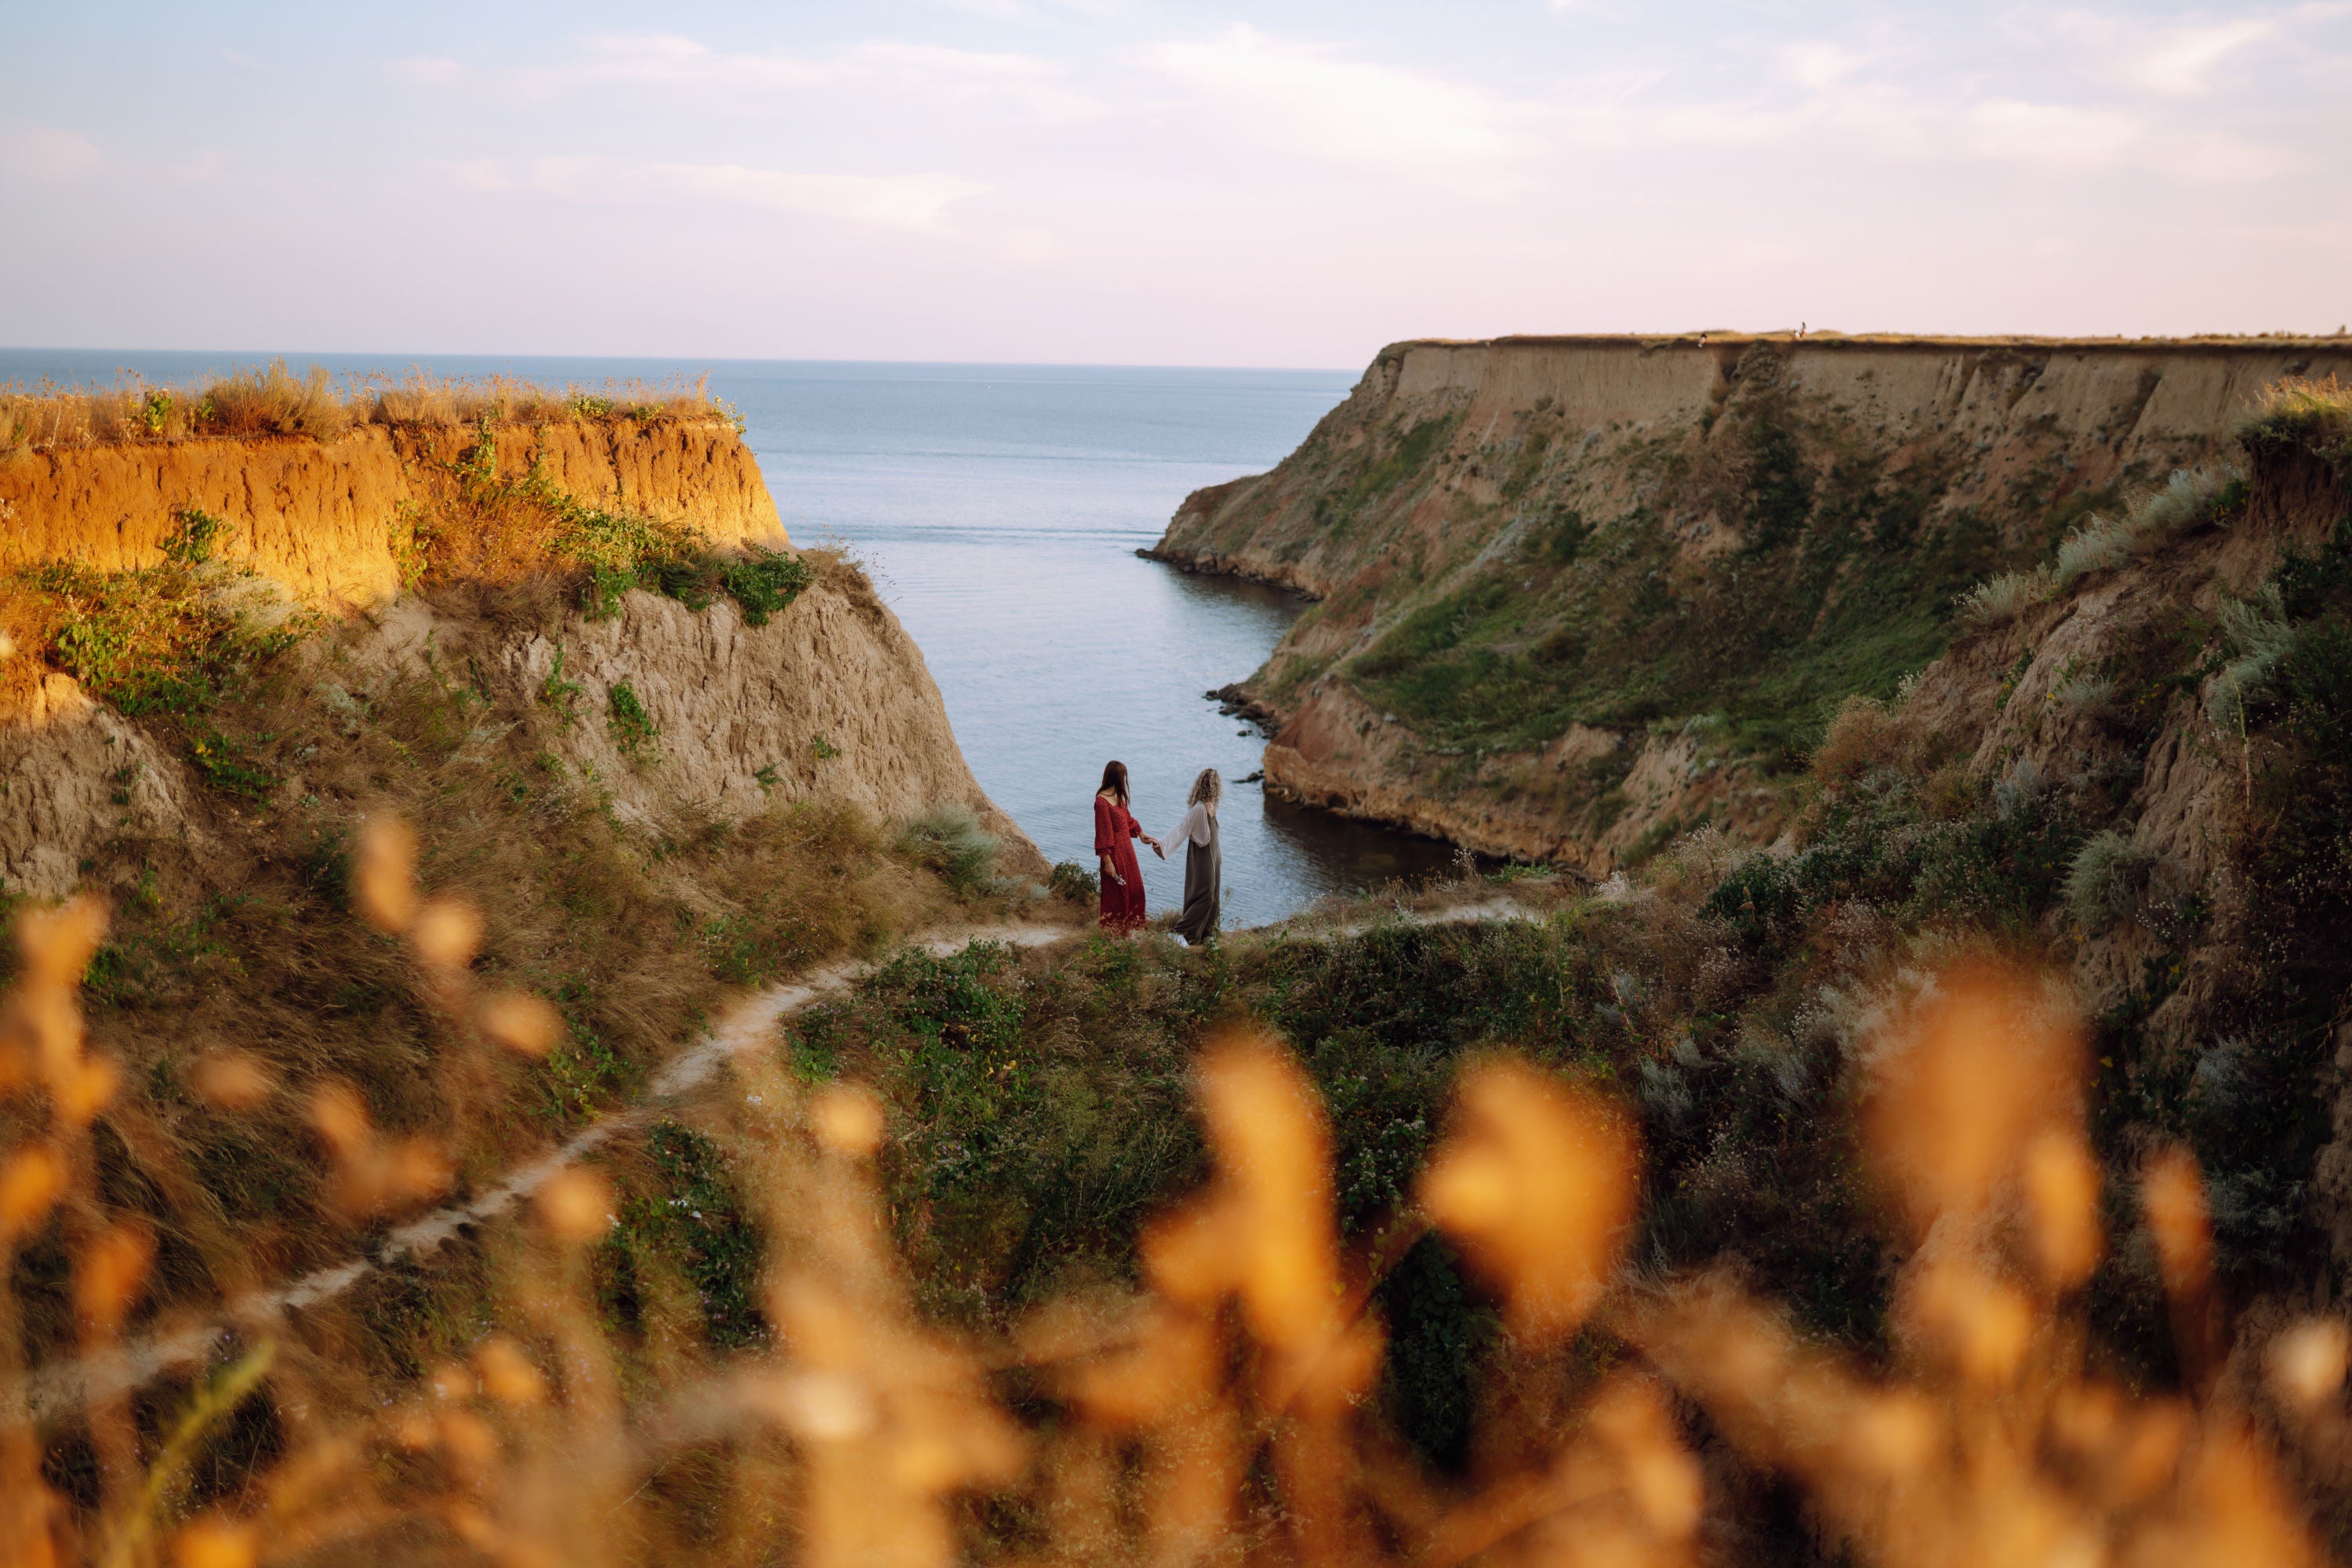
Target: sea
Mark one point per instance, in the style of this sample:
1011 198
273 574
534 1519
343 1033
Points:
999 509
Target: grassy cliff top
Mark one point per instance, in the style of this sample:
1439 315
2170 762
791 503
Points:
274 400
1823 337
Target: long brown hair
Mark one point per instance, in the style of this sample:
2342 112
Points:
1114 781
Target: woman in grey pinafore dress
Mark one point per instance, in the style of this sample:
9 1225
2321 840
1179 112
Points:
1204 867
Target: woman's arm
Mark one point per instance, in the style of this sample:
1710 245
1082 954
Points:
1107 840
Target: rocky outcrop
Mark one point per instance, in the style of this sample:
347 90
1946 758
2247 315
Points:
830 701
1580 594
326 519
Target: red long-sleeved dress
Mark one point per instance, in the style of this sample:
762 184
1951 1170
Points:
1115 836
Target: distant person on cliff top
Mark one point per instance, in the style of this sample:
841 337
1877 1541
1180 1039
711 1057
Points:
1204 866
1122 876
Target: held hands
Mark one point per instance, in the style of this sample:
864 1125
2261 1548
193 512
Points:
1156 849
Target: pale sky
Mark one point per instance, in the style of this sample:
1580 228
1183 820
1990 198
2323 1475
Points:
1125 182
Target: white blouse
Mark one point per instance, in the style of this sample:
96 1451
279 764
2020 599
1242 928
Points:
1194 827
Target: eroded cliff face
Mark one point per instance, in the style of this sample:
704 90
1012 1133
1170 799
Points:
1579 595
328 520
657 712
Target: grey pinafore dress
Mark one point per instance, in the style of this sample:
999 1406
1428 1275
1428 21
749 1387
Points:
1203 879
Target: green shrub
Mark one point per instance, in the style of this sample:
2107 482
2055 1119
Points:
1071 880
764 581
2099 545
2257 632
2108 881
951 841
631 727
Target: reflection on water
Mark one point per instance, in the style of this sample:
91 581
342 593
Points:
999 509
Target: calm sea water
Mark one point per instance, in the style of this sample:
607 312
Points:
999 509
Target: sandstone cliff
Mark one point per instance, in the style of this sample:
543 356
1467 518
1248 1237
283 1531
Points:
662 710
327 520
1580 594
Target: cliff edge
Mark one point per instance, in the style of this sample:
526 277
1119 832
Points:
611 605
1579 595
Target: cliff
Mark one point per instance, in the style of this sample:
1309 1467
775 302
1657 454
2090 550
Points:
328 519
121 667
1579 595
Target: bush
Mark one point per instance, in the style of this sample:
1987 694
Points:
2257 630
764 581
949 840
1073 882
632 728
2005 597
2190 499
2100 544
2108 882
2314 414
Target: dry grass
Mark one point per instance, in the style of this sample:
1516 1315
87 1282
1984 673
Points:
274 400
2302 412
1217 1411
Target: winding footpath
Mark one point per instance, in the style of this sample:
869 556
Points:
747 1027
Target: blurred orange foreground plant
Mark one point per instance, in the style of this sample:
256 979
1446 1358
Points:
1219 1412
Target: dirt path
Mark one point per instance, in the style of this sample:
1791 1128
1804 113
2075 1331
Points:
748 1024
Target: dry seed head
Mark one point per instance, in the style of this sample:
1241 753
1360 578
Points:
415 1169
521 1022
108 1276
576 1206
234 1080
216 1542
847 1120
1187 1255
451 1381
2151 1447
508 1374
2062 1195
1537 1182
29 1185
1983 1067
83 1092
448 933
384 874
1273 1157
342 1119
2172 1195
1663 1480
2307 1363
1893 1434
57 943
825 1406
469 1441
1980 1324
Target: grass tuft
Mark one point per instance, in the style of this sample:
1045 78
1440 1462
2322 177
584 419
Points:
951 841
273 400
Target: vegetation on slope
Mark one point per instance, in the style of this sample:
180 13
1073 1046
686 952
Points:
273 401
1719 587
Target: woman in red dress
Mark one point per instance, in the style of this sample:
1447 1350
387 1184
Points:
1122 876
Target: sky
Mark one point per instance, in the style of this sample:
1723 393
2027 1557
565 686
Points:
1126 181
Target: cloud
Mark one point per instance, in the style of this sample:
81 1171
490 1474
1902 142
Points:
1341 109
2057 134
1820 63
1035 88
47 156
908 202
888 201
2176 61
427 70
